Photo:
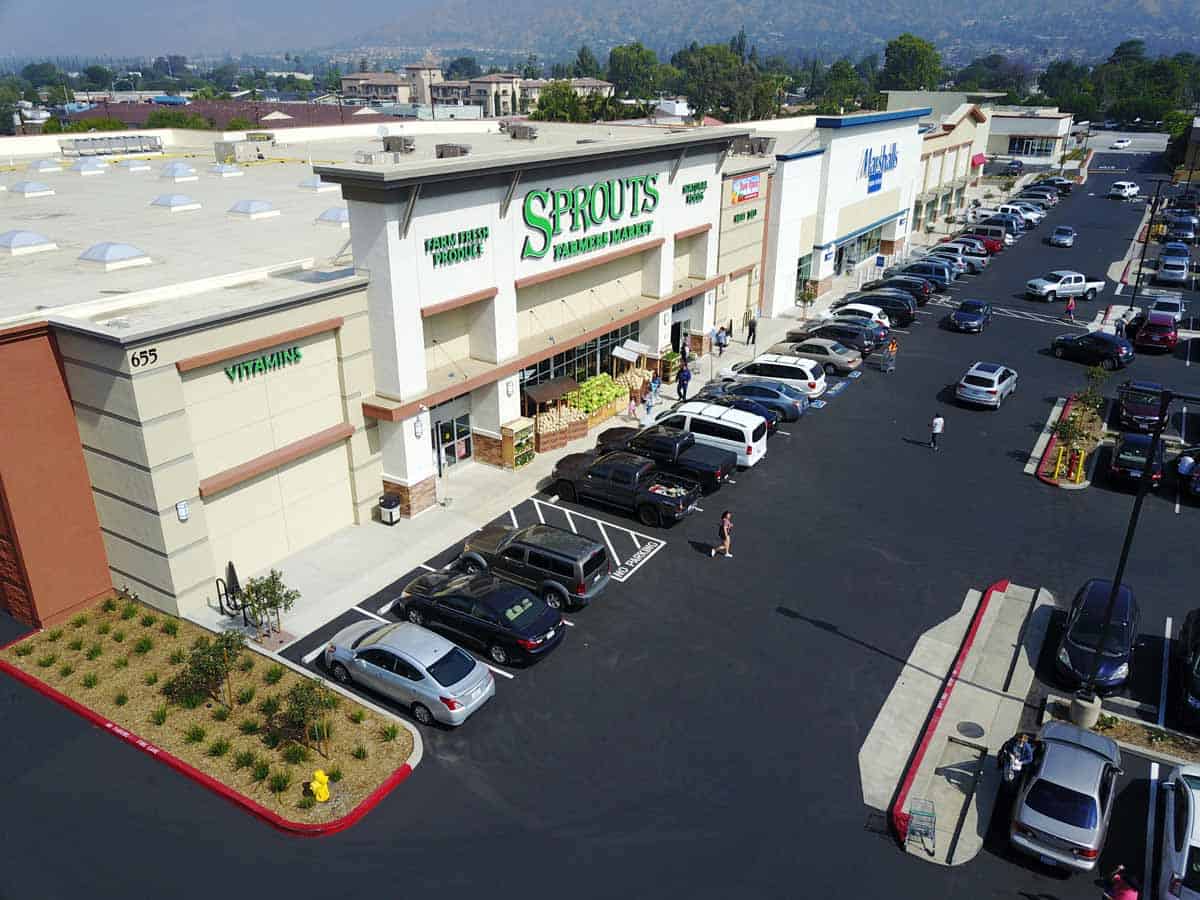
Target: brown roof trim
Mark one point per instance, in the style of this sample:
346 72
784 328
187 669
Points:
24 332
738 273
692 232
543 277
456 302
272 340
289 453
400 413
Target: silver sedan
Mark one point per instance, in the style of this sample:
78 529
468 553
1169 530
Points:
412 666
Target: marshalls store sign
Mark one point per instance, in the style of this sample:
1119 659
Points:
875 164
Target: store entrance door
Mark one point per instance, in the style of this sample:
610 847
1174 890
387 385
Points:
676 335
452 442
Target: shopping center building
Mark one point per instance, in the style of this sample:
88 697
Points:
230 364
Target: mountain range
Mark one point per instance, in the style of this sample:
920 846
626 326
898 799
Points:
1039 30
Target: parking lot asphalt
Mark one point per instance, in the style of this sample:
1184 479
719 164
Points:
697 731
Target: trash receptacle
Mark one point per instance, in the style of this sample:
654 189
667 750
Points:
389 509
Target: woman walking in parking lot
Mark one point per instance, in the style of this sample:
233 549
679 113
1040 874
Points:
724 535
1071 309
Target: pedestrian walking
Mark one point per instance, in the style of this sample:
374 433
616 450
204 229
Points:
1119 327
724 535
655 384
936 427
889 356
1014 755
752 331
1071 309
648 399
722 340
681 382
632 411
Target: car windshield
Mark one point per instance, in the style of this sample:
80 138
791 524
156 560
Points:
1132 455
1168 306
1050 276
837 348
1136 395
1062 804
978 381
452 668
971 306
1063 232
788 391
1085 634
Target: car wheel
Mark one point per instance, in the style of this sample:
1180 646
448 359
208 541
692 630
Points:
498 654
340 673
414 616
1059 353
648 515
566 491
830 369
554 598
422 714
1090 295
1051 296
1108 363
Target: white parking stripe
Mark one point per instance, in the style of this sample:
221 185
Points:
387 607
426 568
568 622
367 612
313 654
780 431
538 509
571 521
611 548
512 515
498 671
1147 871
1166 673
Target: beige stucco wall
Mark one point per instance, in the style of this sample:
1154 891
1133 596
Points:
151 435
863 213
561 301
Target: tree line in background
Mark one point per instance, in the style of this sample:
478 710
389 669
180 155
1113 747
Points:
730 81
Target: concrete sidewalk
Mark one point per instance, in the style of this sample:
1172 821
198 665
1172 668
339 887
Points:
981 708
358 561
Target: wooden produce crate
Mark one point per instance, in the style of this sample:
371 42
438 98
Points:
551 440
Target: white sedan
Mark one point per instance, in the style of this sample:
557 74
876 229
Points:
859 311
1120 144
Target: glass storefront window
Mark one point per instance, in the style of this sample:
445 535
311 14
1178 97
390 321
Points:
1020 146
803 274
584 361
452 439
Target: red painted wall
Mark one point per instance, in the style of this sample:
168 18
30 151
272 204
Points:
50 544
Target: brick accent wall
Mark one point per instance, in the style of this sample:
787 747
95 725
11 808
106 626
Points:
699 344
488 449
414 498
888 246
822 286
14 592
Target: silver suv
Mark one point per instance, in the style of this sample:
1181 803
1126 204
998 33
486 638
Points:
1066 797
1180 874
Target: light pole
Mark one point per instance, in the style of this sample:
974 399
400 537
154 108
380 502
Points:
1137 281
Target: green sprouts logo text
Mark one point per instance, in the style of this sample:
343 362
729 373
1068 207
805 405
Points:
587 208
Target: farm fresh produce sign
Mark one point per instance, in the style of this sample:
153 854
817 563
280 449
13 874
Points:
586 211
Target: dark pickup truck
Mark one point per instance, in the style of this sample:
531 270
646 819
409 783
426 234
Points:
675 452
628 482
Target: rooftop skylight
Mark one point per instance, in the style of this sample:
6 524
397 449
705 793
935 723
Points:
178 171
112 256
175 202
315 184
89 165
226 170
253 209
19 243
335 215
44 166
134 165
29 189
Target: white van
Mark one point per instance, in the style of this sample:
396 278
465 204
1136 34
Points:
995 232
803 374
731 429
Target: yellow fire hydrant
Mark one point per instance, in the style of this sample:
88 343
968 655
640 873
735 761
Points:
319 786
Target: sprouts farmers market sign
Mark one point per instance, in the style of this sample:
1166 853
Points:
875 164
586 211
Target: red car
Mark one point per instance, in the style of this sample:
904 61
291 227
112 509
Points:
990 244
1158 332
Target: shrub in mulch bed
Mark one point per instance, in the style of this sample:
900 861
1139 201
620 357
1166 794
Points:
274 726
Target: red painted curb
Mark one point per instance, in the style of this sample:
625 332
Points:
1125 272
899 818
1051 444
303 829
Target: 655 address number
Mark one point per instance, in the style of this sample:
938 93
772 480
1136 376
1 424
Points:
147 357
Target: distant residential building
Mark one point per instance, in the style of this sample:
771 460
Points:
422 77
388 87
456 92
499 94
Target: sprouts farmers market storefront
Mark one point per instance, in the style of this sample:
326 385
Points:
492 276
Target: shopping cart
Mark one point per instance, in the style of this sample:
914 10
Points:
922 825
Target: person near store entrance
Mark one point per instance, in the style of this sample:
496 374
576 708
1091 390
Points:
681 381
752 331
722 340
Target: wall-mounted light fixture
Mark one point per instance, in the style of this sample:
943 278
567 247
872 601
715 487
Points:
508 388
418 427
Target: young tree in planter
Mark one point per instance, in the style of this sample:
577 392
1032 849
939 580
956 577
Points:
305 707
209 666
268 597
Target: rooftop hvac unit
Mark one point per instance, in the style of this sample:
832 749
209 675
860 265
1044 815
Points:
523 132
447 151
235 151
762 146
397 143
376 157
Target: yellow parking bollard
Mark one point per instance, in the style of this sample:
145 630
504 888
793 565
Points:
319 786
1058 462
1079 468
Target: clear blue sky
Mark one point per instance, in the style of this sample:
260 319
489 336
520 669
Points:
141 27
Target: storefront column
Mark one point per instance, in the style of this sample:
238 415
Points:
824 267
655 331
397 333
492 406
408 465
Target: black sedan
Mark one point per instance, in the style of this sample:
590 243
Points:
1187 655
506 621
1081 641
1129 456
971 315
863 337
745 404
917 288
1096 348
776 396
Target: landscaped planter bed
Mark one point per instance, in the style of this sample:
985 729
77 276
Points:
114 660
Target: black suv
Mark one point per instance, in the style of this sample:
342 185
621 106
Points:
566 569
900 307
917 288
505 620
